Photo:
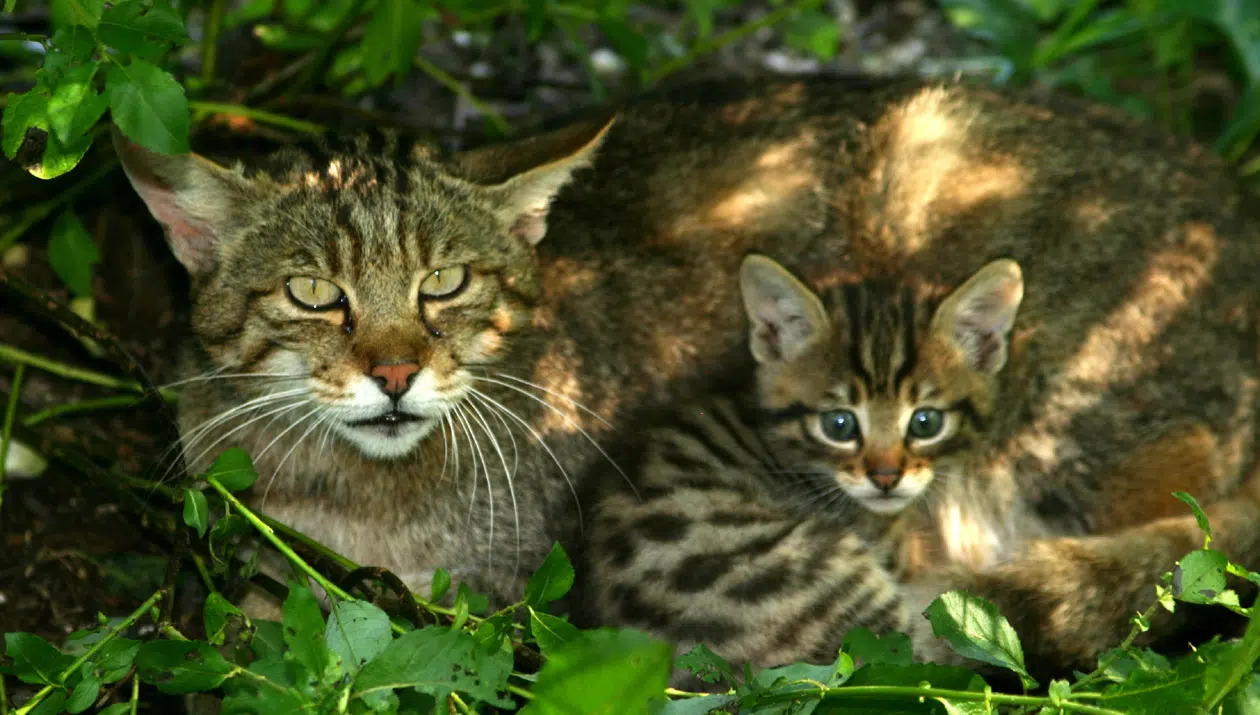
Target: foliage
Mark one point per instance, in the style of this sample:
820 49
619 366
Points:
357 659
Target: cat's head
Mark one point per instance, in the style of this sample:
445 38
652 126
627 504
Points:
884 387
367 279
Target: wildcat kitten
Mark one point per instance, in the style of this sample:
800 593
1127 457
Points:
768 524
324 288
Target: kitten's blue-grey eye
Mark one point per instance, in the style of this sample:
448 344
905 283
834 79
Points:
839 425
926 423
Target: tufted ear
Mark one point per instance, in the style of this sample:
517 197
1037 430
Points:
192 197
538 168
976 319
785 317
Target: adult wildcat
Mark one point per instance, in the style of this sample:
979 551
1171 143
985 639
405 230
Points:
405 299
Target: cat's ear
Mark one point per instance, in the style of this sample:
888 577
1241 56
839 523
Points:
538 168
977 317
192 197
785 318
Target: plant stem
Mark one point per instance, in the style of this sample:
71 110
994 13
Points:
1110 660
70 408
461 89
39 212
6 436
858 692
717 42
14 355
127 622
4 697
135 693
1239 666
517 690
210 44
259 115
460 704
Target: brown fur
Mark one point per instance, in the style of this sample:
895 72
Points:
1139 259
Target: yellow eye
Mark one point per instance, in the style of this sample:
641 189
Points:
313 293
444 282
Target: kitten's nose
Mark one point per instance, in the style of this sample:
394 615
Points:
884 477
394 377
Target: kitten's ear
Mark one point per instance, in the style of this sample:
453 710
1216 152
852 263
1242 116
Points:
785 317
549 161
978 316
192 197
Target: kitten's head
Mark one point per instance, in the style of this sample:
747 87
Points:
885 388
370 278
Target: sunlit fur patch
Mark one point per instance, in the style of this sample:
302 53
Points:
881 364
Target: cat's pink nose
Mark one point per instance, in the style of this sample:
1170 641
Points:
885 479
394 378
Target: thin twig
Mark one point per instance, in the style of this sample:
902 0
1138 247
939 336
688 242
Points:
446 80
102 403
9 414
127 622
210 44
17 356
258 115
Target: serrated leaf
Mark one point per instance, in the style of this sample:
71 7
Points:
437 660
77 12
706 665
974 629
1199 515
551 632
72 253
813 32
23 112
84 695
304 629
441 584
196 510
893 648
268 640
603 671
149 106
1199 577
180 667
495 632
35 660
552 580
141 30
215 615
390 39
357 632
234 470
75 105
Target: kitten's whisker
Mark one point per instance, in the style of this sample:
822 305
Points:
570 421
566 398
577 502
516 515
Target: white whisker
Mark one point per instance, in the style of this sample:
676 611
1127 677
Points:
459 410
566 398
508 473
314 425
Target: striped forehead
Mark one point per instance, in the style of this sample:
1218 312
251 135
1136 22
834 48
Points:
882 332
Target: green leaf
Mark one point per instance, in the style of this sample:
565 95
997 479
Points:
69 46
35 660
196 510
603 671
1158 691
234 470
23 112
179 667
275 694
304 629
390 39
216 614
495 631
701 706
535 19
357 631
58 158
223 531
84 695
441 584
72 254
706 665
149 106
1245 700
551 632
813 32
437 660
77 12
1060 691
867 647
117 709
974 629
552 580
113 661
1199 515
1199 577
140 30
52 704
75 105
629 42
268 640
